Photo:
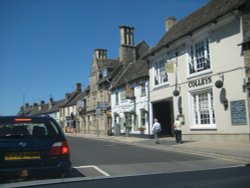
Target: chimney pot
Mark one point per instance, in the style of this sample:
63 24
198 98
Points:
101 53
126 35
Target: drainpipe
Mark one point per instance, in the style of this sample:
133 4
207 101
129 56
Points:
149 104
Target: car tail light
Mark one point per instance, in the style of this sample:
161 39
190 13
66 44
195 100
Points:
59 148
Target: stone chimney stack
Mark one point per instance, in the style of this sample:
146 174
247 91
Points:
51 102
127 35
101 53
78 87
127 49
170 21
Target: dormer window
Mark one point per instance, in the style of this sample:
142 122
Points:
105 72
199 57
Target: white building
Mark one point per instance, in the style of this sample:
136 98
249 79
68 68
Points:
129 104
197 72
129 92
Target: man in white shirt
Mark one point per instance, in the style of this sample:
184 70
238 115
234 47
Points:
156 129
177 129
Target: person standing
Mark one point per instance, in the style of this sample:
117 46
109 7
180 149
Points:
156 130
178 132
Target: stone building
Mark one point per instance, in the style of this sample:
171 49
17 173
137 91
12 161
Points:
95 111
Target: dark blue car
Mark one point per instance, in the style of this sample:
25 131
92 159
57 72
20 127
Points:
32 147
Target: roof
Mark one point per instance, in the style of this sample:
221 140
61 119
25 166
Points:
76 99
109 63
101 63
209 13
134 71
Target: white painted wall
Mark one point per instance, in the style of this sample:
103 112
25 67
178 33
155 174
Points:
129 105
226 57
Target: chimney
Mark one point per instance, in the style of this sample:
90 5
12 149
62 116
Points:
27 105
50 103
126 35
101 53
41 105
127 51
34 105
170 21
78 87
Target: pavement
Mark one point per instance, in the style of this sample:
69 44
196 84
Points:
237 152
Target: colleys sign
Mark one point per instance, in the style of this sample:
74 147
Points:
200 82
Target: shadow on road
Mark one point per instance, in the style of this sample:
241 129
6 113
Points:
75 173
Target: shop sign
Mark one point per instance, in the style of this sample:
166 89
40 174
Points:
200 82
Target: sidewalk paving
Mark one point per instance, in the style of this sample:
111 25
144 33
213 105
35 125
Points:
239 152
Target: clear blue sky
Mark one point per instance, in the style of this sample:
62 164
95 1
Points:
46 46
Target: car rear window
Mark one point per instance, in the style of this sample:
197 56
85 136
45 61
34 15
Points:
28 127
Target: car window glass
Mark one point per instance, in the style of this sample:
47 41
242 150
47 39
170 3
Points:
33 129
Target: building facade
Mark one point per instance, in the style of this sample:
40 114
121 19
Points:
129 91
95 112
198 74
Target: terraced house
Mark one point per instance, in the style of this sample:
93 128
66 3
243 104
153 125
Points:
199 72
95 108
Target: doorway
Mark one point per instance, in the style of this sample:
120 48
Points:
163 111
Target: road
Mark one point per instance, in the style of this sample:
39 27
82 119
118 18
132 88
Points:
217 178
99 163
101 158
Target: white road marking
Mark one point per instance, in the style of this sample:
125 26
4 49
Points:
95 167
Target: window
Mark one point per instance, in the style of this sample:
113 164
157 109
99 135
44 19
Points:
160 75
116 99
94 99
128 119
199 57
102 96
143 117
143 90
131 120
123 95
203 110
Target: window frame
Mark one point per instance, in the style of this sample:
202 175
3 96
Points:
160 73
143 90
194 54
196 109
116 98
